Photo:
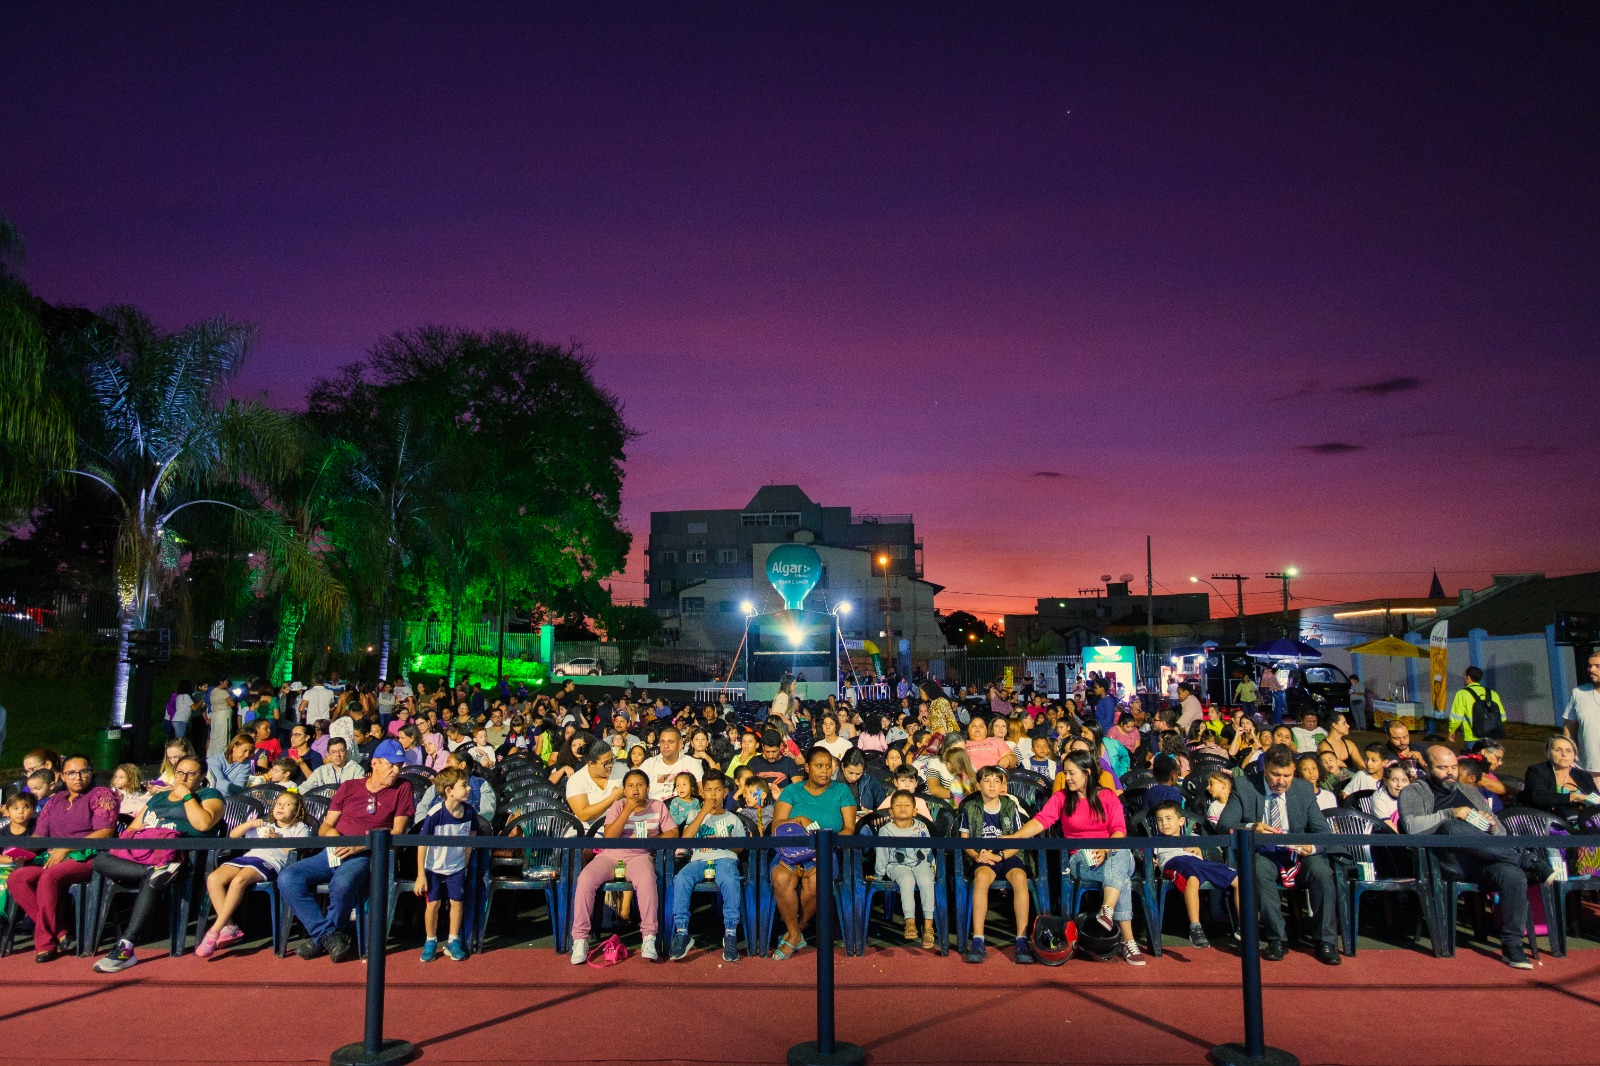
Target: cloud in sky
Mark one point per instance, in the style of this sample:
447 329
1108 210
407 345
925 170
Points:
1046 473
1333 447
1385 387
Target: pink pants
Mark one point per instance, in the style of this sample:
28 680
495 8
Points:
602 868
39 891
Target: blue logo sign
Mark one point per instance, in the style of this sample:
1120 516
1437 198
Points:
794 570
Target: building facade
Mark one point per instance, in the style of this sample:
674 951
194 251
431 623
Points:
706 565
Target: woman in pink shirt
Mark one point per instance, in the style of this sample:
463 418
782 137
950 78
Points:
1084 810
985 750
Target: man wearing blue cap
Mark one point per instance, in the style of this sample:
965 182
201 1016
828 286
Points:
379 800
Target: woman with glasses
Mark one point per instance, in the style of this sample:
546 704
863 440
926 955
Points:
189 809
594 787
79 810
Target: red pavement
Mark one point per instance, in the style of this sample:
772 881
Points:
522 1005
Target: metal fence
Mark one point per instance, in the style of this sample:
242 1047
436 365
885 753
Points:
374 1047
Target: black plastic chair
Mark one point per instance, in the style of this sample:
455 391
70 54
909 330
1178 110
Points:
1028 788
1356 869
547 870
869 884
1448 892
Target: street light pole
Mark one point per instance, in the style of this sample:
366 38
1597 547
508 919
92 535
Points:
1238 588
888 623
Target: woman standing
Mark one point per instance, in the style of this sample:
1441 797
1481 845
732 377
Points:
941 716
188 809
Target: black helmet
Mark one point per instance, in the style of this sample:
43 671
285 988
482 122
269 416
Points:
1094 938
1054 939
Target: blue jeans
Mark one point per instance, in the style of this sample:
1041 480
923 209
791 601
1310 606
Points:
1280 703
347 887
728 886
1116 872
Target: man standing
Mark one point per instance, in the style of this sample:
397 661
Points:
1439 803
1582 718
1469 696
1272 689
317 704
1280 802
664 769
380 800
219 718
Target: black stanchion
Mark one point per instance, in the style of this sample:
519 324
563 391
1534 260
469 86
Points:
1254 1050
825 1050
374 1050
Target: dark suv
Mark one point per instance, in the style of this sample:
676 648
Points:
1320 687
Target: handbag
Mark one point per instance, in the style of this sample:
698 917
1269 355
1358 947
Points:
148 856
610 952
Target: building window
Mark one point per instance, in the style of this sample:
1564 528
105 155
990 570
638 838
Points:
898 551
781 518
697 527
893 605
693 605
668 586
666 556
728 555
697 555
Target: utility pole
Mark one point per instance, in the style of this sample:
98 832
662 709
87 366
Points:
1285 575
1150 614
1238 587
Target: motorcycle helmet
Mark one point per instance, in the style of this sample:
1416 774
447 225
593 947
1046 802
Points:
1054 939
1093 938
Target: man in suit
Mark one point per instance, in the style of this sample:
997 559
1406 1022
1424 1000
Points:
1280 802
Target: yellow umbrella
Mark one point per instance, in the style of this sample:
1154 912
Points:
1393 647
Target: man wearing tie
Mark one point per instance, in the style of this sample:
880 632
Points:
1280 802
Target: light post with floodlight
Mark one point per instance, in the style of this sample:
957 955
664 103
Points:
747 609
1285 575
888 624
838 611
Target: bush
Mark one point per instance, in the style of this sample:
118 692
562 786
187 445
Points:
480 668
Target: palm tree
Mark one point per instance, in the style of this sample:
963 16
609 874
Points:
382 518
156 441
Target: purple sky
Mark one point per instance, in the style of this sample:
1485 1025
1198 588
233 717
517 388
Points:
1317 289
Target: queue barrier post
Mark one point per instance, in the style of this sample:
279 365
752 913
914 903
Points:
374 1050
825 1050
1254 1051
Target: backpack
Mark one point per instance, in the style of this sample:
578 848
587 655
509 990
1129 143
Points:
1486 719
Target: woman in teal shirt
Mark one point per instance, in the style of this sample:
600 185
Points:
818 802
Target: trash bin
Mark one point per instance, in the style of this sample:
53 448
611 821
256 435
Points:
107 748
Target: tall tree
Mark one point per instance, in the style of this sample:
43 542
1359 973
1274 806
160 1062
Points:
155 439
35 425
533 448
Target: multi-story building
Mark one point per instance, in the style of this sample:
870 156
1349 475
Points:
705 565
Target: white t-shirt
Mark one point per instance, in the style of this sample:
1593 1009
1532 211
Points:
316 705
185 707
1583 708
277 858
582 784
836 747
663 774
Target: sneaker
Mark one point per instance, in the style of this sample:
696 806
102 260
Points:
681 945
454 949
1105 919
207 946
120 959
647 950
1513 955
580 951
1024 952
1197 936
231 934
341 946
309 948
162 875
730 946
430 950
1129 953
975 950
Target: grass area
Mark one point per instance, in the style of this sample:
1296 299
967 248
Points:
64 712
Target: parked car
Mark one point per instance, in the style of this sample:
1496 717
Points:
1321 687
581 667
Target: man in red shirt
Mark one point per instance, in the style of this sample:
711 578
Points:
379 800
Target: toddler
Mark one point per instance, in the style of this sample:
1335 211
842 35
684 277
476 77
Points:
911 869
1187 869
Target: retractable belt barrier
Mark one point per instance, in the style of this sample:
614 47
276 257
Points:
825 1050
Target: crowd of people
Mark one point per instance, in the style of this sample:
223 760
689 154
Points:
993 767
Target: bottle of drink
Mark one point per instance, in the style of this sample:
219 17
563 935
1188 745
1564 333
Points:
711 874
621 870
